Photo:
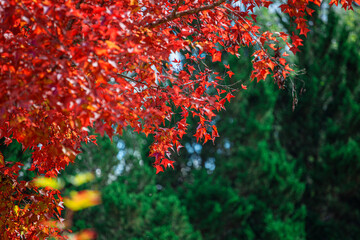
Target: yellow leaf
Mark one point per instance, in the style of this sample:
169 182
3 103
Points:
16 209
82 178
48 182
112 45
83 199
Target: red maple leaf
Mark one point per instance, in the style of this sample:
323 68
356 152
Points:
216 57
230 73
158 168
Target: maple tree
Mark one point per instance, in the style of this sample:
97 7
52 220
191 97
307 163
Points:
70 65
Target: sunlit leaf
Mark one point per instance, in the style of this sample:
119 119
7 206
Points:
82 178
16 209
48 182
87 234
83 199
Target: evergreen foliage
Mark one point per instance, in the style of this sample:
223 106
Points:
322 134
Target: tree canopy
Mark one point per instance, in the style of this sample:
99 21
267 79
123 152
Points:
67 66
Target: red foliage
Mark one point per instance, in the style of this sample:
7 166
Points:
24 209
67 65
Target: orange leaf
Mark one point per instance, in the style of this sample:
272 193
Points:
216 57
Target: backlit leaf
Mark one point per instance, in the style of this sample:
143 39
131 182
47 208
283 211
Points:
83 199
48 182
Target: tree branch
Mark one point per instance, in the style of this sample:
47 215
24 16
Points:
176 15
176 8
130 79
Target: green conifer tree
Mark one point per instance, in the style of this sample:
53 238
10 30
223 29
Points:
322 134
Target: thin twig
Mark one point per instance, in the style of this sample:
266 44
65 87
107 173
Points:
173 16
131 79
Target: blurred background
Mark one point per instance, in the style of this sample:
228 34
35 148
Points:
274 173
